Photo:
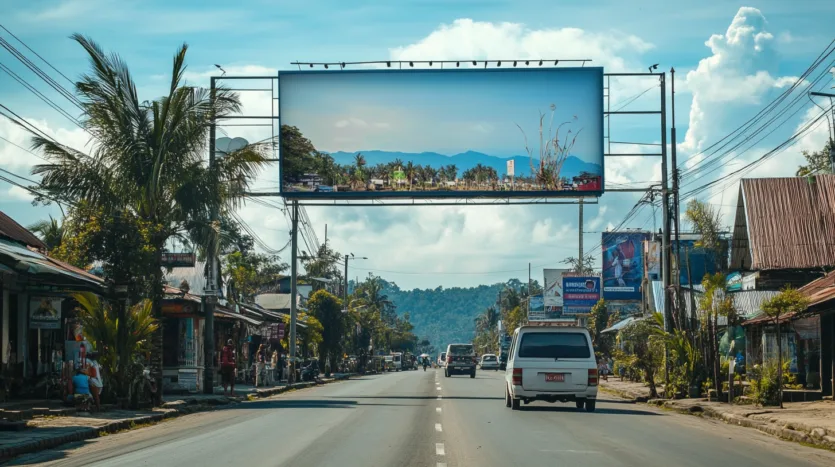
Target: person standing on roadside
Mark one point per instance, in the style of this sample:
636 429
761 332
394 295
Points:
96 379
260 365
227 367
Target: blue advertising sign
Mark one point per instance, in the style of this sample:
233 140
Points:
579 294
623 265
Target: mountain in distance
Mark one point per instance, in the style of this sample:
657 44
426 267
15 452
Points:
444 315
572 167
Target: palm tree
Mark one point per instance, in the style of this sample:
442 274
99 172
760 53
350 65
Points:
49 231
148 159
410 173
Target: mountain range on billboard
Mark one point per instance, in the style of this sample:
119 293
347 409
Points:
572 166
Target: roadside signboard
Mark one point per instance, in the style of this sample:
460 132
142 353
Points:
580 294
178 260
45 313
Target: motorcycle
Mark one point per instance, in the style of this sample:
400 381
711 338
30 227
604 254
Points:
310 372
142 388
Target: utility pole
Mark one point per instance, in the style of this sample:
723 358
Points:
294 240
665 200
676 181
665 237
211 293
345 289
581 264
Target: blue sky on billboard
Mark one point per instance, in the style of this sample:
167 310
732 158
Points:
438 117
730 62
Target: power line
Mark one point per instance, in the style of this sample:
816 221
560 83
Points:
37 55
40 95
23 149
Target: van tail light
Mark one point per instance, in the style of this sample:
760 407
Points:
592 376
517 376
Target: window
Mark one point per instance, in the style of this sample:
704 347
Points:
489 358
554 345
461 349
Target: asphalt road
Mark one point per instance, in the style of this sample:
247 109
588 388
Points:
424 419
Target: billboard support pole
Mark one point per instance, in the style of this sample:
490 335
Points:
294 240
581 264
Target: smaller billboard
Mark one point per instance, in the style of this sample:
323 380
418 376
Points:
45 313
552 295
652 254
580 294
178 260
623 264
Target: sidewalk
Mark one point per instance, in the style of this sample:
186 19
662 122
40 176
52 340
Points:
805 422
48 430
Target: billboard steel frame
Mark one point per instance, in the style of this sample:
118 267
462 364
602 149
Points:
294 204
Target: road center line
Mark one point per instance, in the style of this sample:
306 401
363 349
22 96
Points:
439 449
438 388
440 397
438 409
438 427
441 464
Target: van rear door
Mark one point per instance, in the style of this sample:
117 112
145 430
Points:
554 360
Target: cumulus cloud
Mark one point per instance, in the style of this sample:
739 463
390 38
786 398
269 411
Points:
17 193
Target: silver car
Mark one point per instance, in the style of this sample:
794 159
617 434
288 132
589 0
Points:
489 361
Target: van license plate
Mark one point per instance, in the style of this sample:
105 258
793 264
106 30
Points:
554 377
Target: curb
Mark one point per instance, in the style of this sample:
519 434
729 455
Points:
815 436
175 409
628 395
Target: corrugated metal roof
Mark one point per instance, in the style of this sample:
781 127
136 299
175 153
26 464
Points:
785 223
16 232
820 290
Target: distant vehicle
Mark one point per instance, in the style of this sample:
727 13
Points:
442 359
551 363
489 361
461 359
397 361
388 361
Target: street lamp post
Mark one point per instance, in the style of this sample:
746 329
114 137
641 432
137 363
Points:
345 291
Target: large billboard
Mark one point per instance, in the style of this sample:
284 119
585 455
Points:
441 133
623 266
580 294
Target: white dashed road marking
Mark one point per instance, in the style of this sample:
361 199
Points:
441 464
440 397
438 427
439 449
438 409
438 388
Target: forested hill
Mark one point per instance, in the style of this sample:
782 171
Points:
444 315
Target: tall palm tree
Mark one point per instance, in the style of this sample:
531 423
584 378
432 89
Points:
410 173
50 232
148 158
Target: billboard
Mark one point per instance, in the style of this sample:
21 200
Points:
359 134
552 293
701 261
580 294
623 265
652 260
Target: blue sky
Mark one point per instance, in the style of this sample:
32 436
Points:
449 112
731 60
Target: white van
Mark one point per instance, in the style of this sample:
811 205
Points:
397 360
551 363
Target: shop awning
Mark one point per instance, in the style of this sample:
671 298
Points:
25 261
238 316
619 325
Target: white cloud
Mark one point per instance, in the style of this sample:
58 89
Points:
19 194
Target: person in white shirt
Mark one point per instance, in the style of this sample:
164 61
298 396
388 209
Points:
93 370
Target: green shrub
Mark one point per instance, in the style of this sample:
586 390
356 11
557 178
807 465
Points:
764 388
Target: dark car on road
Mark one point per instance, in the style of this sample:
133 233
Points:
460 359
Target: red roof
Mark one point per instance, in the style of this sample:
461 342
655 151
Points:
16 232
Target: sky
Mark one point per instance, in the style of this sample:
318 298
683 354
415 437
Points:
444 111
730 59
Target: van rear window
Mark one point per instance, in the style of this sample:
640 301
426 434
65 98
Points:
462 349
554 345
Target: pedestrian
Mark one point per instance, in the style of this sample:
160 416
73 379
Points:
96 379
260 365
274 365
227 367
